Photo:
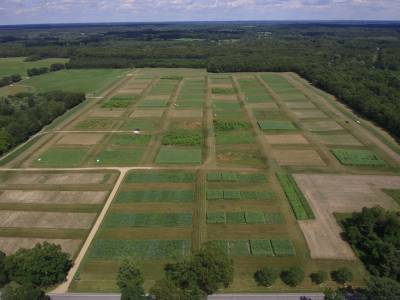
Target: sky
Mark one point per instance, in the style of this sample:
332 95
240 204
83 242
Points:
88 11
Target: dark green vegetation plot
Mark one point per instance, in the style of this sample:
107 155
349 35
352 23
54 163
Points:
357 157
248 217
119 101
159 176
123 220
155 196
298 202
184 138
236 177
276 125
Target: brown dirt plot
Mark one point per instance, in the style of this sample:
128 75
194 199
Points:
339 139
298 158
107 113
322 126
286 139
327 194
188 113
66 178
140 113
309 114
86 139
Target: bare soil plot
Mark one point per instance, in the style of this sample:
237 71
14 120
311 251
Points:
140 113
298 158
188 113
187 124
107 113
227 85
9 245
23 219
131 91
85 139
309 114
339 139
328 194
54 197
224 97
286 139
66 178
322 126
300 105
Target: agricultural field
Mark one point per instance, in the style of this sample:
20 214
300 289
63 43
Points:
258 163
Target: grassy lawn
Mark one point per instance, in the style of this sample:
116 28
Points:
61 157
130 139
17 65
174 155
119 156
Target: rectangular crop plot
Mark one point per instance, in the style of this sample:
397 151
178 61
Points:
141 124
95 124
231 195
61 157
235 138
298 202
273 218
155 196
174 155
160 176
130 139
255 217
215 194
261 248
235 218
223 91
153 103
257 195
121 220
236 177
146 249
217 217
119 156
283 247
276 125
183 138
121 101
226 105
357 157
239 248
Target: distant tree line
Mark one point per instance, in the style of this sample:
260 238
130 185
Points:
25 114
43 70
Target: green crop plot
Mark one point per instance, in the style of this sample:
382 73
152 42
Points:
183 138
239 248
121 220
160 176
146 249
257 195
233 177
278 83
261 248
226 105
142 124
357 157
255 217
298 202
223 91
231 195
229 115
130 139
153 103
225 138
226 125
216 217
120 101
215 194
235 218
276 125
119 156
239 195
61 157
174 155
164 87
180 196
273 218
253 91
95 124
283 247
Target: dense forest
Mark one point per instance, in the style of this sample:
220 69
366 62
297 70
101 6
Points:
359 62
23 115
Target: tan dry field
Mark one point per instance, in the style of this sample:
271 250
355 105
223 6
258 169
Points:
309 114
24 219
66 178
298 158
9 245
140 113
222 85
322 126
188 124
300 105
53 197
339 139
286 139
130 91
84 139
328 194
106 113
224 97
187 113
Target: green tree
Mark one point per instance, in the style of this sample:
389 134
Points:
15 291
319 277
331 294
342 275
130 281
266 276
166 289
43 265
3 272
382 288
293 276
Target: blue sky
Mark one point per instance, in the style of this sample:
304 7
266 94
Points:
64 11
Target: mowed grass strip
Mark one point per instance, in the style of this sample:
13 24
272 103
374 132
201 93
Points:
297 201
357 157
276 125
119 156
123 220
61 157
146 249
174 155
283 247
130 139
160 176
183 196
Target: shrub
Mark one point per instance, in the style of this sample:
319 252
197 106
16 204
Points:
342 275
293 277
130 281
15 291
266 276
319 277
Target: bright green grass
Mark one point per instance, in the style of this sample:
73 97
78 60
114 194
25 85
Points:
174 155
217 217
255 217
146 249
235 138
276 125
123 220
357 157
130 139
283 247
239 248
153 103
155 196
141 123
119 156
17 65
298 202
261 248
61 157
395 194
160 176
119 101
183 138
235 218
